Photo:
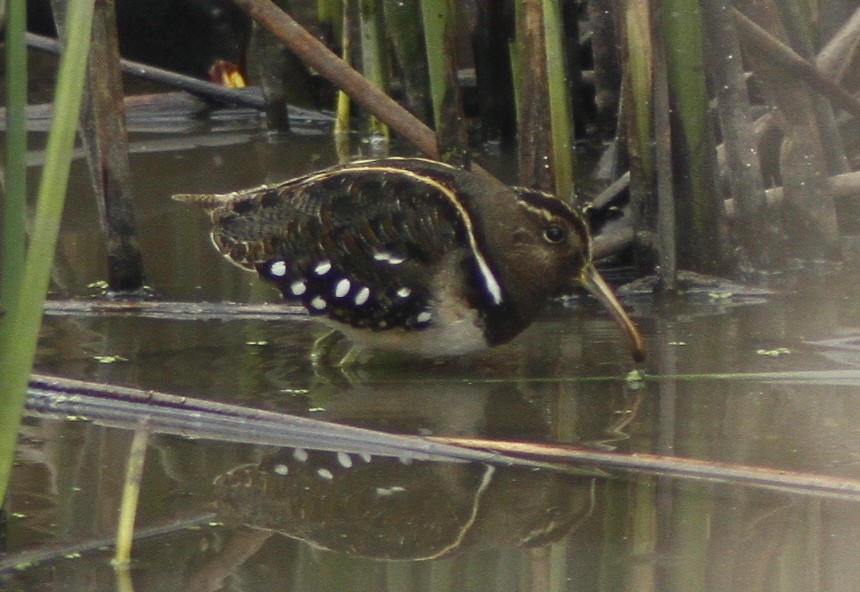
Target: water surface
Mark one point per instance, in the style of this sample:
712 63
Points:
721 389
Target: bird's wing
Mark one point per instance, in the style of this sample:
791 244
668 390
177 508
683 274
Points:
357 245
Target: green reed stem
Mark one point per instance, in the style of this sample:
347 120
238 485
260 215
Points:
14 202
559 100
329 12
343 109
697 203
434 15
19 337
372 56
639 60
406 33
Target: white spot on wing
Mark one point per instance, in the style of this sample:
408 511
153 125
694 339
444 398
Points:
298 288
342 288
300 454
404 292
318 303
387 257
423 317
282 470
278 269
322 268
325 474
362 296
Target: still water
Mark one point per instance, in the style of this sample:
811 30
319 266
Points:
723 386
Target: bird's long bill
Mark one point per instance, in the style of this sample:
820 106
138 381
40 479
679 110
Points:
592 281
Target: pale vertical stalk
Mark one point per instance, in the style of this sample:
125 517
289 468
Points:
667 226
343 110
18 340
131 494
124 582
534 126
514 52
558 566
621 508
639 59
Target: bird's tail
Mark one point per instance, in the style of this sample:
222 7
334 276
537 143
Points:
205 200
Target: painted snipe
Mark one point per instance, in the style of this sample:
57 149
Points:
410 254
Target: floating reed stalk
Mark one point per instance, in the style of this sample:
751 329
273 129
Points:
20 334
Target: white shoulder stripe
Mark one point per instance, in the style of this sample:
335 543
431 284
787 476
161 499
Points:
492 285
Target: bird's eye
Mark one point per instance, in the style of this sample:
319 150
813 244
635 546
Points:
554 234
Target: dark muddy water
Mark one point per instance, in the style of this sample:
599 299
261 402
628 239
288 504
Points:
746 379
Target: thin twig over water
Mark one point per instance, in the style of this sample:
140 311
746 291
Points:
120 406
